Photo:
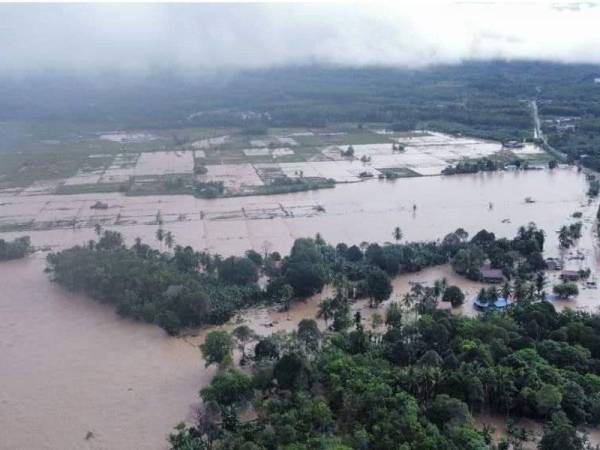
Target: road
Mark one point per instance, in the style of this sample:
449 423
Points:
539 134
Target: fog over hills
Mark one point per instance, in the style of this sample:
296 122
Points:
196 38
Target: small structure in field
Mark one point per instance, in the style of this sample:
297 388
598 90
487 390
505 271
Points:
499 304
492 276
570 275
553 264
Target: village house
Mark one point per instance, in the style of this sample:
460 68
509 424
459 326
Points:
570 275
492 276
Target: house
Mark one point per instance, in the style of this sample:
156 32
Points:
570 275
498 305
492 275
513 144
553 264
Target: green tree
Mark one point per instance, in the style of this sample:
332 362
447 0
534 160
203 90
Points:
454 295
243 334
238 271
566 290
560 434
393 316
228 388
309 334
547 399
169 240
397 234
379 286
217 347
326 310
160 235
305 268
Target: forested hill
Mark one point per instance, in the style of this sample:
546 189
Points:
481 98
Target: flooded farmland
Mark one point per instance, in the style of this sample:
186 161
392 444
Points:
70 366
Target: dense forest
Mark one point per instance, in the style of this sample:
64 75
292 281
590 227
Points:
408 382
480 98
486 99
184 288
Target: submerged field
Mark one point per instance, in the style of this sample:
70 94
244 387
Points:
246 162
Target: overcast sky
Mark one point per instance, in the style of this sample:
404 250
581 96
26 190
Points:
195 37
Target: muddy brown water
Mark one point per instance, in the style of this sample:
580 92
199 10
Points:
70 366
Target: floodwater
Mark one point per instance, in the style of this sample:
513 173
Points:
351 213
71 366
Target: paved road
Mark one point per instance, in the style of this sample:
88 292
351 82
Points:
538 133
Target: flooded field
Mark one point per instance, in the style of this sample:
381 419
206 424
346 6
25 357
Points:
425 208
71 366
114 161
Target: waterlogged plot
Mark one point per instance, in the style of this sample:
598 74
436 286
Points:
527 149
123 137
233 176
333 152
121 168
41 187
258 143
85 178
282 152
162 163
287 140
256 151
210 142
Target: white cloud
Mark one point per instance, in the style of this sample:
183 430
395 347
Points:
195 37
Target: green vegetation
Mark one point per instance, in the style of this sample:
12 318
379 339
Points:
520 257
14 249
454 295
174 290
413 385
185 288
566 290
475 166
568 234
209 189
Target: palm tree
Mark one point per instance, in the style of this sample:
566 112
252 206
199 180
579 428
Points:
160 235
325 311
397 233
482 296
169 239
98 229
159 220
540 281
506 290
243 334
286 298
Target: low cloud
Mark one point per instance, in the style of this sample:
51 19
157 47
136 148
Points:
192 38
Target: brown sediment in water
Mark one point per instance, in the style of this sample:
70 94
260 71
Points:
71 366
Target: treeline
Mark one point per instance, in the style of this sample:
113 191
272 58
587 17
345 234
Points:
174 290
185 288
406 382
14 249
475 166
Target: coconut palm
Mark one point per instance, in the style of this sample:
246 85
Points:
397 234
169 239
540 281
326 310
243 334
160 235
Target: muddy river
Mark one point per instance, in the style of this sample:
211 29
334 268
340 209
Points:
72 369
